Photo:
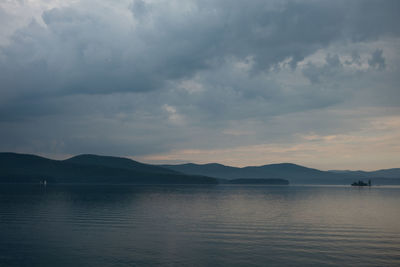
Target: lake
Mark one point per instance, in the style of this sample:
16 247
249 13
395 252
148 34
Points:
219 225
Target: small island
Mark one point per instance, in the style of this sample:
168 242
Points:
259 181
361 183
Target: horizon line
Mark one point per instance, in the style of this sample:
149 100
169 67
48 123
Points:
181 162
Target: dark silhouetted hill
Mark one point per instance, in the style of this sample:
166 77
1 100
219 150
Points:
296 174
118 163
16 168
385 173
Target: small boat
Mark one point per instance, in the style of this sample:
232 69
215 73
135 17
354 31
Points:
361 183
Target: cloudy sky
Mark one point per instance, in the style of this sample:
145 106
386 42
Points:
236 82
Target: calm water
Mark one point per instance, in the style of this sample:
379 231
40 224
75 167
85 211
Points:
199 225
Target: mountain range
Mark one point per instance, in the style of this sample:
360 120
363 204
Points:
296 174
15 168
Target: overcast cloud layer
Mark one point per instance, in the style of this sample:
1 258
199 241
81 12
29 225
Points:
235 82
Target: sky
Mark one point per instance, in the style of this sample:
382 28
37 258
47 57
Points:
312 82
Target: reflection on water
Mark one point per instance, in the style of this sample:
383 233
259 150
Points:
199 225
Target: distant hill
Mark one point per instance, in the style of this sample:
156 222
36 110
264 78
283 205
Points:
386 173
118 163
16 168
296 174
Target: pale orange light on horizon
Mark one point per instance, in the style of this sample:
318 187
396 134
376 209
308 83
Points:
369 149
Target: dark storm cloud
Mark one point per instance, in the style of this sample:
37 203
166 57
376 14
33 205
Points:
82 51
141 77
330 69
377 60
